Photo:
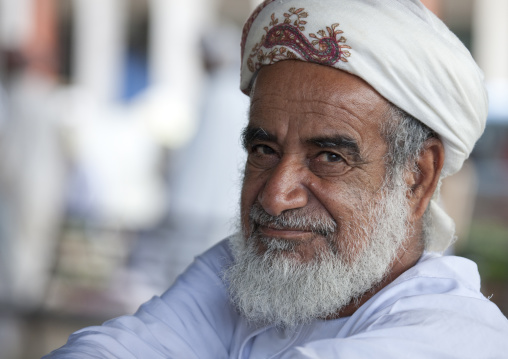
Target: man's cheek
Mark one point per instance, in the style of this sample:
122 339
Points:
245 206
251 186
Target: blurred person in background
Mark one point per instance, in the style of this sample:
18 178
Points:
32 175
353 123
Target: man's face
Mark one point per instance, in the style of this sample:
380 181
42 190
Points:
314 149
320 225
322 229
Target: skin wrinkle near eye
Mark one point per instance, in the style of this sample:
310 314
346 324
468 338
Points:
251 134
339 142
343 147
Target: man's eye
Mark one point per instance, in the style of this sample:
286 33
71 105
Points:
262 156
329 157
328 164
262 150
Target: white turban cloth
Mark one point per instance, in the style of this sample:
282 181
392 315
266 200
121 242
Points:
399 47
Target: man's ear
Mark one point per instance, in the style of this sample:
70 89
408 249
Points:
424 181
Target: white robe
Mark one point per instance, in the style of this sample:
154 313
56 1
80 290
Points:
433 310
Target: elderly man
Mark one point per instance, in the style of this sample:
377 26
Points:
358 109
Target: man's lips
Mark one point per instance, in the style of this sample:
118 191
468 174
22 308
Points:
286 233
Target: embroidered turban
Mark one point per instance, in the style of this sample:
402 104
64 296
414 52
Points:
397 46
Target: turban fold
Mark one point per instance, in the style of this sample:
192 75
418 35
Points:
399 47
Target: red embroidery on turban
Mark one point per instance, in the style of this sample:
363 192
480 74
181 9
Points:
283 37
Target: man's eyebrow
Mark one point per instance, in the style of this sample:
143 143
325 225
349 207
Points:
250 134
338 142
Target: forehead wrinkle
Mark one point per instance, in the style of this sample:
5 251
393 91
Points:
330 114
313 106
334 105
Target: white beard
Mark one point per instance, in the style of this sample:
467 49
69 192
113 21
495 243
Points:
274 288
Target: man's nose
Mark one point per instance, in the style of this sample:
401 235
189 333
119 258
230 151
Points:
285 188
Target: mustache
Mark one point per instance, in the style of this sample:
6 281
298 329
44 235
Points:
294 219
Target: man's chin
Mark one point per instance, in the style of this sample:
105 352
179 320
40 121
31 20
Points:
300 250
277 249
278 287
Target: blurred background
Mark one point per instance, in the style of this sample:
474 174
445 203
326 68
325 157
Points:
120 157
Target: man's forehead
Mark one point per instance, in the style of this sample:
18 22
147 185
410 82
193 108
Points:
320 101
305 73
304 82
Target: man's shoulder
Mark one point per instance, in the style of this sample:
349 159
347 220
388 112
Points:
438 291
441 274
436 280
434 309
